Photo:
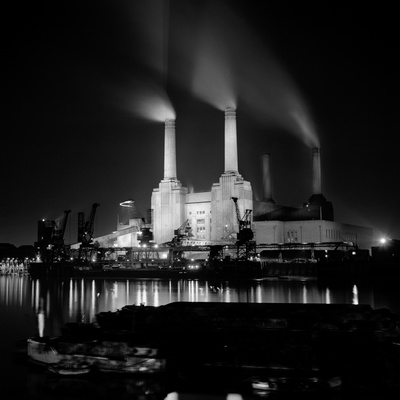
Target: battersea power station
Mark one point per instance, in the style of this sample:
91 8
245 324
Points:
212 214
213 217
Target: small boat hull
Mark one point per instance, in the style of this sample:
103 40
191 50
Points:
129 359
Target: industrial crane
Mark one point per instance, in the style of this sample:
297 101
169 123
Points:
59 230
245 234
85 233
50 245
175 251
145 234
86 229
184 231
60 251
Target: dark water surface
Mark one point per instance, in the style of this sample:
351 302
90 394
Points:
60 301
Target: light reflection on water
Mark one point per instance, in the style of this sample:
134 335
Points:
79 300
25 301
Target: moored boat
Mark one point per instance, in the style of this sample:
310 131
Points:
69 369
73 357
295 384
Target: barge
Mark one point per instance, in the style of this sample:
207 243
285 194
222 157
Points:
81 354
221 343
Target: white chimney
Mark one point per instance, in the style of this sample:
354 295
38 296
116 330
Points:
169 150
316 189
231 154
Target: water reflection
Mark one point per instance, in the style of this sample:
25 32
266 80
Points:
355 295
79 300
24 302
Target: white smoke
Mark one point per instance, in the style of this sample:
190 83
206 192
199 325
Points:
232 65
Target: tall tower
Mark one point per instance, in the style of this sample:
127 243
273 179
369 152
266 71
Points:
318 206
266 173
231 151
169 199
316 159
170 150
231 184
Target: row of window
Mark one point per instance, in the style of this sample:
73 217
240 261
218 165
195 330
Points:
333 234
198 212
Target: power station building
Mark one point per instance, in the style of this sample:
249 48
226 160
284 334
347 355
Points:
213 217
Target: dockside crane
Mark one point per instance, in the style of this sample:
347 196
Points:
145 234
245 234
85 233
59 230
50 245
86 228
183 232
60 250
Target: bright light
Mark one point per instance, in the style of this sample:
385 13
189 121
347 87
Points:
127 203
383 240
355 295
172 396
234 396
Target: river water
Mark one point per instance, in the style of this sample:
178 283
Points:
24 301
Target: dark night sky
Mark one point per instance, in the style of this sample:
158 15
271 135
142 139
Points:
79 76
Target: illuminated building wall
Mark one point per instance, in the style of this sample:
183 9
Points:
313 231
198 211
168 200
212 215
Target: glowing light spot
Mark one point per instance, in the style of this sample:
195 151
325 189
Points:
41 323
355 295
172 396
234 396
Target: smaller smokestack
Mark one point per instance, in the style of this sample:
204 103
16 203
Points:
231 154
316 189
266 170
169 150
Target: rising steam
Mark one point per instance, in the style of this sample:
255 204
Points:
151 102
213 75
231 65
226 63
143 98
142 90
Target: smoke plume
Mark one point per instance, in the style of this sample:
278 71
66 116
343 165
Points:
232 65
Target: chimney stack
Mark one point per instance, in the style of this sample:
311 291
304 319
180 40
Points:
316 189
266 170
231 154
169 150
